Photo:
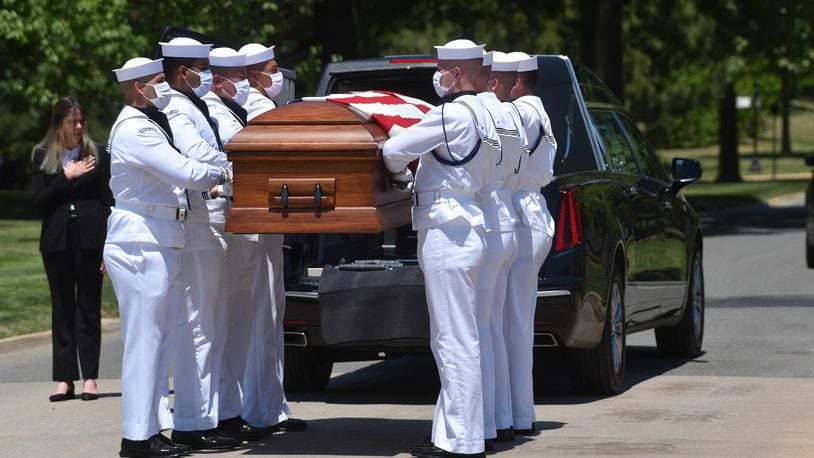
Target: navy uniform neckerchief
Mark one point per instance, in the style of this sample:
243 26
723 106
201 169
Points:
452 161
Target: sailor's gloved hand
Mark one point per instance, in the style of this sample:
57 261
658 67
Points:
403 181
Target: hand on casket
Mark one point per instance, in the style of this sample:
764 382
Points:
403 181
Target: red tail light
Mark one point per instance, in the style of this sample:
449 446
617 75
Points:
569 222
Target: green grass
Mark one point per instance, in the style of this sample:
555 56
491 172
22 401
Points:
772 164
25 302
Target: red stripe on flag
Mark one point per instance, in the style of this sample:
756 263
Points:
387 122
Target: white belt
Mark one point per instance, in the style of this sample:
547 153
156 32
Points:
525 190
431 197
155 210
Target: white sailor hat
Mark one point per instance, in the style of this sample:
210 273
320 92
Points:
256 53
459 50
525 63
138 67
487 58
501 62
185 47
226 57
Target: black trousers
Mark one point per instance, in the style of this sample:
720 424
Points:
76 301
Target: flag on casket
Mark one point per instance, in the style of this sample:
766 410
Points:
391 111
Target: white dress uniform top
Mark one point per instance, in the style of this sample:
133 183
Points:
201 337
145 233
236 304
501 249
451 248
535 231
264 400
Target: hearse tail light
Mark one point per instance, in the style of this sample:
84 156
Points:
568 233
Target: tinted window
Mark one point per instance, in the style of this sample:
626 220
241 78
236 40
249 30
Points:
617 151
574 151
641 147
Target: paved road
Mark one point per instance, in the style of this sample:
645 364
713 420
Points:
750 394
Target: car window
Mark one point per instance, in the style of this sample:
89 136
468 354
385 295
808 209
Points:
644 152
617 151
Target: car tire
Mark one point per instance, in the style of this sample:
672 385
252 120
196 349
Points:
687 337
306 369
602 370
809 252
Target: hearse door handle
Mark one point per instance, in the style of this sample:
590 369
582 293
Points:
629 191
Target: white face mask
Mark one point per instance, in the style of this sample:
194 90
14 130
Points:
276 84
163 93
436 83
206 82
241 91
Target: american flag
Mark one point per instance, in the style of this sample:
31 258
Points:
391 111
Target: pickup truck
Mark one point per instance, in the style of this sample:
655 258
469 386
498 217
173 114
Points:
626 256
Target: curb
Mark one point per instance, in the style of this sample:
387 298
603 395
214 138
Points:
27 341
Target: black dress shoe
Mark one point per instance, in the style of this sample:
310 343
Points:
504 435
240 429
527 432
426 450
89 396
156 445
59 397
209 439
291 425
488 445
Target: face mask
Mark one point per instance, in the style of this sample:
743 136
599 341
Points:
436 83
241 91
163 93
276 84
206 82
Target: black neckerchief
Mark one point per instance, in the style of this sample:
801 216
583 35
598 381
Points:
158 117
205 110
451 97
240 112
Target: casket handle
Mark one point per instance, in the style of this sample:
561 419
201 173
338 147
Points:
318 197
284 196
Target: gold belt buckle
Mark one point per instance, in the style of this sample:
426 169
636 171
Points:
181 214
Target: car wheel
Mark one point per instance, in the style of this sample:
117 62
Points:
602 369
687 337
306 369
809 252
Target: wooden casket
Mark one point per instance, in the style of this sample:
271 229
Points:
312 167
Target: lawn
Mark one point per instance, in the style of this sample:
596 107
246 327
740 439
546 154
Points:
25 304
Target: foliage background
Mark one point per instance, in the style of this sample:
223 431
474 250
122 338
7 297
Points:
676 56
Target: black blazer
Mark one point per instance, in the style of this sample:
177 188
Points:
90 194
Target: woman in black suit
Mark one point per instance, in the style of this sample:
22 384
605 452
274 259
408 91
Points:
70 188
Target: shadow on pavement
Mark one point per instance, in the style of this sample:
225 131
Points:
754 219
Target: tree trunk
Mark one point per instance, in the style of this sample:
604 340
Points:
728 166
785 97
336 28
602 42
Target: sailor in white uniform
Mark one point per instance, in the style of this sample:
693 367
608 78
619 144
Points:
201 338
230 90
457 145
264 402
501 245
535 228
145 235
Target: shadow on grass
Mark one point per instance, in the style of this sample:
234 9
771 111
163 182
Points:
18 204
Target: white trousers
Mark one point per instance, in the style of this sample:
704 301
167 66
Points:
450 255
238 304
144 279
201 338
501 249
521 300
264 402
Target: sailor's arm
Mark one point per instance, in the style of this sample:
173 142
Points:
425 136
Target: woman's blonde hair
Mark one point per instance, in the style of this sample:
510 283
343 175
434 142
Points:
54 141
